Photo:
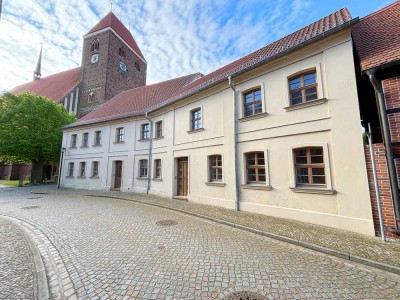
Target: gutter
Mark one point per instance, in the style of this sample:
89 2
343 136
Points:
150 154
380 98
237 199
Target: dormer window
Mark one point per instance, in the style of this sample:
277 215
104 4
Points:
95 45
122 52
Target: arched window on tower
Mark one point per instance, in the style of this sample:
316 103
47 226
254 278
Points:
91 97
122 52
137 65
95 45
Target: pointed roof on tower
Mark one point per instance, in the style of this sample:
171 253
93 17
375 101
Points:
111 21
37 73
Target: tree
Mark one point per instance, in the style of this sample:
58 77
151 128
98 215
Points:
30 130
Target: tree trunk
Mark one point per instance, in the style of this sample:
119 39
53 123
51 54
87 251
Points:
37 171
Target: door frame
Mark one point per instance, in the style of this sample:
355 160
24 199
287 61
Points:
114 169
177 161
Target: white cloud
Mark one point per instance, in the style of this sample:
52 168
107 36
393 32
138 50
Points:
176 37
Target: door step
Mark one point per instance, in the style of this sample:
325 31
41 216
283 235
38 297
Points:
182 198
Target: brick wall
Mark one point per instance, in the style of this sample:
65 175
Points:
391 88
384 188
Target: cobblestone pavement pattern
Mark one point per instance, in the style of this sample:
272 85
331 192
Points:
113 249
17 270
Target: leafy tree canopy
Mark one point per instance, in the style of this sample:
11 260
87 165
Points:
30 128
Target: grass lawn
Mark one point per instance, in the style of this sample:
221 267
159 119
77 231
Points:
13 182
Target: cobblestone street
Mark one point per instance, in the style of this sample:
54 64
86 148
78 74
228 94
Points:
103 248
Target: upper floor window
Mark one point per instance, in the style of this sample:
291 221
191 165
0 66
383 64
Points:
215 167
82 169
309 166
120 135
145 131
85 139
159 129
95 45
303 88
157 168
196 121
71 169
143 168
91 97
73 140
252 102
95 169
255 167
97 138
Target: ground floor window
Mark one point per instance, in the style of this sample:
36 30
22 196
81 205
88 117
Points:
157 168
143 168
82 169
215 167
95 169
255 167
71 169
309 166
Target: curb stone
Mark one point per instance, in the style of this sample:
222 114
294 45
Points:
325 250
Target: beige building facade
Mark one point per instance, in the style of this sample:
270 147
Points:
298 142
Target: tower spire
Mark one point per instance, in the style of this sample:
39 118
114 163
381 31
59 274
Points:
37 74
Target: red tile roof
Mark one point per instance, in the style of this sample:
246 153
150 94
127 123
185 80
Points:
54 86
317 30
110 20
137 100
377 37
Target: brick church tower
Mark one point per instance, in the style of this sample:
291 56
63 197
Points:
111 63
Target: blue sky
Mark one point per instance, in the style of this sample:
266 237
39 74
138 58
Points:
176 37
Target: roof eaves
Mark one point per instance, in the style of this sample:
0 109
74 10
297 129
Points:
382 66
214 82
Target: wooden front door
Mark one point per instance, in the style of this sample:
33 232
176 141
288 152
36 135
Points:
118 174
182 184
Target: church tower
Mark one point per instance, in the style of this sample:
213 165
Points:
111 63
37 73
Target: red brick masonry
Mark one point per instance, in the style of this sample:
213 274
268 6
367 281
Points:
384 188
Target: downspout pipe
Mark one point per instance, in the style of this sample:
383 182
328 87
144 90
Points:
149 173
60 168
378 197
235 151
388 145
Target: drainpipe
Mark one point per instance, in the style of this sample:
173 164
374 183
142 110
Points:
378 197
60 167
388 146
237 200
150 154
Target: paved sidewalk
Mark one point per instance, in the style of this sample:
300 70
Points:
348 243
17 267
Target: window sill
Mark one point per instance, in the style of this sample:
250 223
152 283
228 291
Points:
81 177
121 142
84 147
158 138
257 187
253 117
306 104
195 130
143 140
215 183
94 177
312 190
157 179
69 177
97 145
72 147
142 178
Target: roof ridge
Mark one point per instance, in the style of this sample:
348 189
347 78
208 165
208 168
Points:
381 10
